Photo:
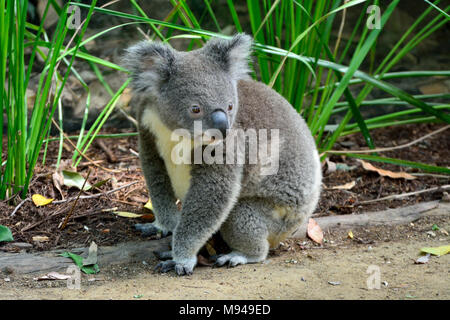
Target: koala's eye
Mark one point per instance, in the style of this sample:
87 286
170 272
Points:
230 107
195 109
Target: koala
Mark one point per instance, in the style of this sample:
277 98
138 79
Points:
211 86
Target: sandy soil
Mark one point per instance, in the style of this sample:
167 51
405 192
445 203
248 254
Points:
338 270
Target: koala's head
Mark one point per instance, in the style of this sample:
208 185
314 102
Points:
199 85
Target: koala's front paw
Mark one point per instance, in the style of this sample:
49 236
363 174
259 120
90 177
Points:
149 229
184 267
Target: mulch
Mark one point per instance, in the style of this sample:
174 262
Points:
94 220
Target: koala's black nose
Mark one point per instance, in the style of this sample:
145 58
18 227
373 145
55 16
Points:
220 121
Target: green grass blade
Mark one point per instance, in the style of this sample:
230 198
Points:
405 163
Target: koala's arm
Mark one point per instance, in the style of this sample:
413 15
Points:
213 191
158 183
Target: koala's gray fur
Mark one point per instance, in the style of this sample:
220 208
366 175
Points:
253 212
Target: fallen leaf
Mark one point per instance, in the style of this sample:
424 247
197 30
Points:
350 234
53 276
40 238
202 261
386 173
149 205
314 231
40 200
78 260
437 251
92 255
346 186
5 234
100 183
125 98
127 214
431 234
210 249
150 217
423 259
331 166
74 179
58 181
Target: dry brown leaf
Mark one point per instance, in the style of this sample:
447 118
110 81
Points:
346 186
149 216
125 97
386 173
58 181
202 261
53 276
331 166
314 231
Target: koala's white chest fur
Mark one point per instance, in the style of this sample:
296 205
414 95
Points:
179 174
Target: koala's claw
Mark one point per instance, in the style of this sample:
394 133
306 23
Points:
183 267
182 270
165 266
169 265
149 229
233 259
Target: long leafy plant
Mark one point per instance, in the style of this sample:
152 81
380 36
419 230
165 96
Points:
293 48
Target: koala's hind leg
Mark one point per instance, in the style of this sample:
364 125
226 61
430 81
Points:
246 233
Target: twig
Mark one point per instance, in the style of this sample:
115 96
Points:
76 200
144 34
440 176
341 28
391 148
98 194
403 195
129 118
111 156
18 206
87 163
134 152
125 202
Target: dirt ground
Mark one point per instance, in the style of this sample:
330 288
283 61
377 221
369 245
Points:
297 270
337 270
93 219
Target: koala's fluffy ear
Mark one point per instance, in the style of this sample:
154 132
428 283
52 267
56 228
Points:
150 64
232 55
